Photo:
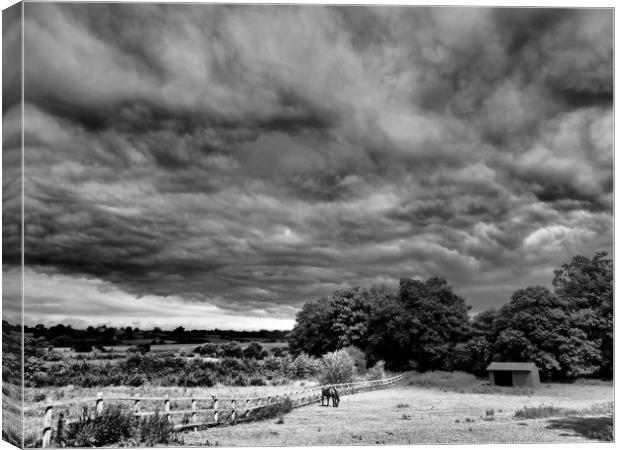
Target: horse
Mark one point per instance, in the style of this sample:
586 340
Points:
328 392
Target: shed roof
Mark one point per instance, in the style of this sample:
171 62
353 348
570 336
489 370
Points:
517 366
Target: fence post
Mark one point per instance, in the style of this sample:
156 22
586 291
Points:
194 408
47 425
234 411
247 408
216 414
136 405
167 406
99 403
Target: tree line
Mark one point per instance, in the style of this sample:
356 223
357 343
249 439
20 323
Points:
424 325
66 336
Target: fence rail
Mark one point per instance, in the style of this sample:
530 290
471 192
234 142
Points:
219 410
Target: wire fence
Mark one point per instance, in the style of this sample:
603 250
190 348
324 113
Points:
200 411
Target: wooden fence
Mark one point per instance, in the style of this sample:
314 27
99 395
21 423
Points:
202 411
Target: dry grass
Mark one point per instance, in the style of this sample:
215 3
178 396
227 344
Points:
543 411
11 414
431 417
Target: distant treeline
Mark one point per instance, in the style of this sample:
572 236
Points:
424 325
66 336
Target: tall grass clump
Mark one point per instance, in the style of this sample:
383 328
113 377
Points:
337 367
458 381
114 425
538 412
155 429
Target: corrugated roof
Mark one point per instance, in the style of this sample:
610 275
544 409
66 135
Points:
527 366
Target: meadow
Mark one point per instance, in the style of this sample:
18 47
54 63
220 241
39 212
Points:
412 414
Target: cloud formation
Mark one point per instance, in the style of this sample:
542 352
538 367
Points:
251 158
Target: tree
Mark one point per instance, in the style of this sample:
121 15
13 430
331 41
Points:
587 287
332 322
537 325
418 326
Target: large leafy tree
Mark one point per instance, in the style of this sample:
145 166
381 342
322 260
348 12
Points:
587 287
336 321
421 327
537 325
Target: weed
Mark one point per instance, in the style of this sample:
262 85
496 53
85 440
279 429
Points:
406 417
113 425
280 420
402 405
490 412
537 412
155 429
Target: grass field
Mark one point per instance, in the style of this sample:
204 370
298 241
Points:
175 348
415 415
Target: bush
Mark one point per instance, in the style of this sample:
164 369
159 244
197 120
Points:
208 349
604 434
257 382
144 348
279 351
232 350
337 367
113 425
82 347
254 351
302 366
359 358
376 372
155 429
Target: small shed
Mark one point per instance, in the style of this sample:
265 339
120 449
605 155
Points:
517 374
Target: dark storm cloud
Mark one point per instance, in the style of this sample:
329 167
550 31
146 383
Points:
255 157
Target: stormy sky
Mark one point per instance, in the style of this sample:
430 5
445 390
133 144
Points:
218 166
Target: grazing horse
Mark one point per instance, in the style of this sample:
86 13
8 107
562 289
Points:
328 392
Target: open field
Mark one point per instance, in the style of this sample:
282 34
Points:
414 415
172 347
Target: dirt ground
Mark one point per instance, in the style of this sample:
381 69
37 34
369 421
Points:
414 415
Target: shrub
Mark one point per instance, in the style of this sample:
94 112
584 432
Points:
337 367
359 358
257 382
604 434
155 429
254 351
113 425
232 350
376 372
62 341
144 348
279 351
82 347
135 381
302 366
